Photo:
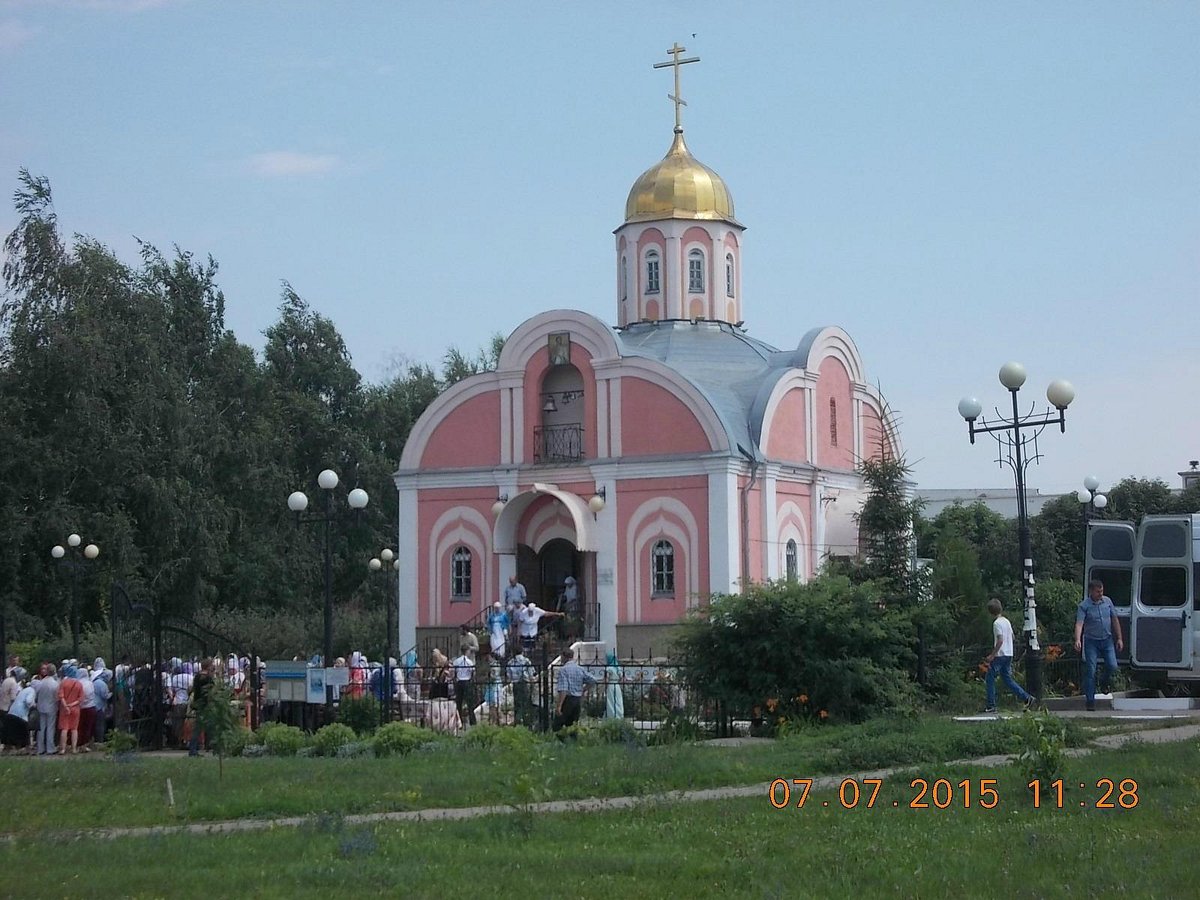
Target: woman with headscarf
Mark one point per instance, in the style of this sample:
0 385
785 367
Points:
87 709
412 675
497 625
14 731
102 687
70 695
359 676
614 698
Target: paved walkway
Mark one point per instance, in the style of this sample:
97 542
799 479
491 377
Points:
599 804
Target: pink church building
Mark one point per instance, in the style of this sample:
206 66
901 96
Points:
656 462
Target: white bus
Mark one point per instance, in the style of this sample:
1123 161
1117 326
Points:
1151 573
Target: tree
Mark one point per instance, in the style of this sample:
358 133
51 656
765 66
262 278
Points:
885 528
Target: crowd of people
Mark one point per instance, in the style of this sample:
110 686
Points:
70 707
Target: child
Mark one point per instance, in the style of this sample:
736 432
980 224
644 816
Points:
1000 659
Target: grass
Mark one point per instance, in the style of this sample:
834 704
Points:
739 848
100 790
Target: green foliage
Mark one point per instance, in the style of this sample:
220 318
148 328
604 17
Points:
119 741
885 529
361 714
235 741
218 718
604 731
835 644
487 737
1041 741
329 739
285 740
676 728
401 738
1056 604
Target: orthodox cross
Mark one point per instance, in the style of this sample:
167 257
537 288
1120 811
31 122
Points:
675 63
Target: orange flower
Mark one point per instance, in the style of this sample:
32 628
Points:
771 704
803 698
824 714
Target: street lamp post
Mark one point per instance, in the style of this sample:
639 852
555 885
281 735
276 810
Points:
1091 501
1016 440
74 563
297 502
387 563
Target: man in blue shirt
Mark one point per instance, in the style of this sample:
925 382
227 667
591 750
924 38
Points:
569 686
1096 627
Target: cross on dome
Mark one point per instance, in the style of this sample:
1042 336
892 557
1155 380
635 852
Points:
675 63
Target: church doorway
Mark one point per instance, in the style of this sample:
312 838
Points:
545 575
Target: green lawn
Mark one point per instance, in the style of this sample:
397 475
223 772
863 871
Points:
95 789
741 848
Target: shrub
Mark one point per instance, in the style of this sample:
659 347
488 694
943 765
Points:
259 738
676 728
332 737
120 742
1041 740
823 649
359 713
498 737
355 749
285 740
401 738
234 742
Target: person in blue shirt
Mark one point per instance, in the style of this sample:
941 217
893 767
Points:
1096 629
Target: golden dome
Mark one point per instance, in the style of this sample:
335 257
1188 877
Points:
679 187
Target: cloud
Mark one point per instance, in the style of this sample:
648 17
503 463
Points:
14 34
289 164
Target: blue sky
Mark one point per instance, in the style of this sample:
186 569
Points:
956 184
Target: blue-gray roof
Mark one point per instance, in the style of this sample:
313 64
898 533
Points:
734 371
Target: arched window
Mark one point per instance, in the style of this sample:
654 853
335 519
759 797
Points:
460 572
728 274
663 566
832 422
624 277
652 270
696 271
791 561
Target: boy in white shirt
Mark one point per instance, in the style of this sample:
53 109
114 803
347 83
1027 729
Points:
1000 659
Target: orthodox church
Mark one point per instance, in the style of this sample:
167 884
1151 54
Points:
655 462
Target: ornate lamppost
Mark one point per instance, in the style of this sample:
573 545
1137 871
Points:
1016 441
1091 501
74 560
297 502
387 564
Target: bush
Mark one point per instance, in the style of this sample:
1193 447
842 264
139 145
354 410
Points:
359 713
259 738
498 737
1041 740
823 649
676 728
120 742
285 740
355 749
332 737
401 738
234 742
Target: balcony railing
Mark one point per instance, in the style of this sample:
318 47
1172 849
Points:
558 443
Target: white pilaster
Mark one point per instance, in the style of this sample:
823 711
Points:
407 581
724 543
671 282
607 573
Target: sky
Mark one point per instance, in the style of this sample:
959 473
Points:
955 184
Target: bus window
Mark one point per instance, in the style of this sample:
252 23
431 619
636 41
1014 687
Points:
1118 583
1163 586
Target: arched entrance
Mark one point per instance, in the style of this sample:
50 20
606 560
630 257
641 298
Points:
544 574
